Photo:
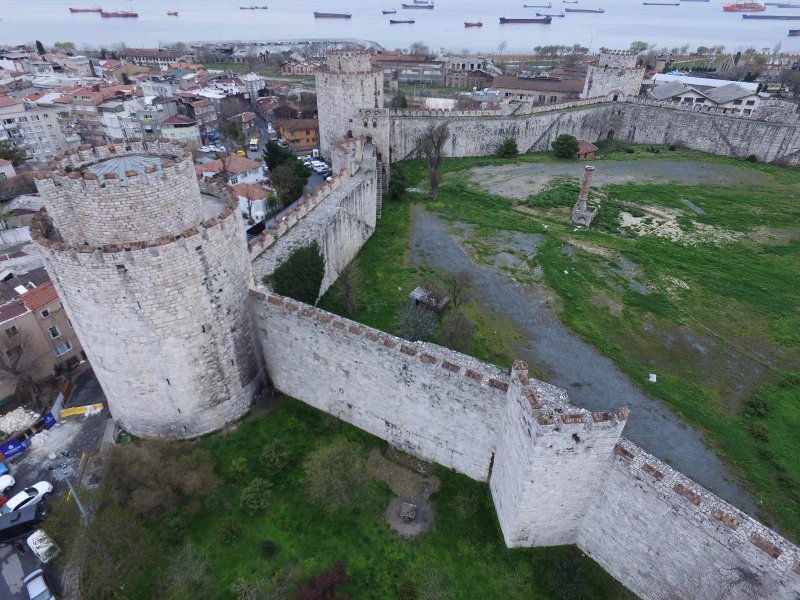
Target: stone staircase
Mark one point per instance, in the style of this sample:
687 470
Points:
379 188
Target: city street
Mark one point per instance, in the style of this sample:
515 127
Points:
54 455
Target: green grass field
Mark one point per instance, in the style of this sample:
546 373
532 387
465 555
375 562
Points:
720 321
463 556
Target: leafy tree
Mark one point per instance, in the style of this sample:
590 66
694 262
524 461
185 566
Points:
419 49
565 146
274 458
415 323
399 101
64 46
336 475
40 48
639 47
12 154
398 182
255 496
300 276
289 179
274 155
508 148
457 331
431 145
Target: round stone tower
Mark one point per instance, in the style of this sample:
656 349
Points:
156 291
346 83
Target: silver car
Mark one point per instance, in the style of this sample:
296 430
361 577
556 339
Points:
36 586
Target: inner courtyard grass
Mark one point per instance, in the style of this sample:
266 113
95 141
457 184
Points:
718 316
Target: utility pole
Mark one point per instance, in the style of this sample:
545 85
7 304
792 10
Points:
81 507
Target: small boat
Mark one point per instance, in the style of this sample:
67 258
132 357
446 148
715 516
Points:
322 15
389 12
542 20
794 33
548 5
476 24
122 14
661 3
398 21
569 1
585 10
429 6
773 17
172 13
86 10
744 7
538 14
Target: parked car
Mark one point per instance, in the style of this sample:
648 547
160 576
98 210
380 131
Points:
43 546
6 483
21 523
36 586
28 497
206 148
217 148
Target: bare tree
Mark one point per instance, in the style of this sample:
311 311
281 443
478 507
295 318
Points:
457 331
415 323
431 145
21 360
350 288
599 123
419 49
459 286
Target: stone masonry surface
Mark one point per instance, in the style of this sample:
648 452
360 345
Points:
164 321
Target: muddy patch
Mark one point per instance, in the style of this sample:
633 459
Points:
663 222
521 180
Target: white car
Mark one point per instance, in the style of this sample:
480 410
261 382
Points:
6 483
36 586
28 497
206 148
217 148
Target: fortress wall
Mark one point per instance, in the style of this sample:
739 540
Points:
165 323
429 401
664 537
341 217
634 122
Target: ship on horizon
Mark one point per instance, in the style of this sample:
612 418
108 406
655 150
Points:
326 15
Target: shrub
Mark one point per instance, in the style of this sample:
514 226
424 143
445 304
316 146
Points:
274 458
398 182
759 431
228 531
300 276
407 590
240 467
752 158
672 148
268 548
565 146
255 496
629 150
456 331
508 148
336 475
415 323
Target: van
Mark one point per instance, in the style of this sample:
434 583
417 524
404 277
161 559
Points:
253 144
22 522
43 546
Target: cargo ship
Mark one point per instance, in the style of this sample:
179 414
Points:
428 6
542 20
794 33
661 3
773 17
787 5
696 0
85 10
475 24
538 14
322 15
172 13
398 21
548 5
585 10
389 12
121 14
744 7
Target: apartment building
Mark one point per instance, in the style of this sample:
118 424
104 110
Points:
86 103
42 132
302 134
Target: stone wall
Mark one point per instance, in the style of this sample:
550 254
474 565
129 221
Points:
94 210
436 404
164 322
631 121
340 218
665 537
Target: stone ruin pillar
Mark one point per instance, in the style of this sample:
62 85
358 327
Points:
582 215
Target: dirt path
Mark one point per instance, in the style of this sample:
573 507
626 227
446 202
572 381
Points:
592 380
522 180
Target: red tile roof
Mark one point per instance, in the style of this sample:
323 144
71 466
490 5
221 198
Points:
5 101
40 297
